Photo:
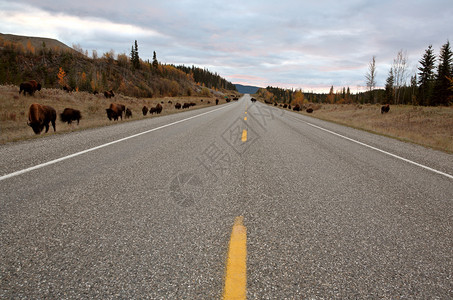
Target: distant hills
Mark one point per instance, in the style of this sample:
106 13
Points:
36 42
246 89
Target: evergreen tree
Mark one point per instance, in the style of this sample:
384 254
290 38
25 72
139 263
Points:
414 89
389 88
134 57
426 77
442 90
155 62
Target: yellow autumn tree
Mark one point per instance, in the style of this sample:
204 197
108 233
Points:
61 77
298 98
30 48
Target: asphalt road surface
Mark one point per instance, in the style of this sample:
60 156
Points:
145 209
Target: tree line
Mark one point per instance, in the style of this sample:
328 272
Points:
433 86
126 74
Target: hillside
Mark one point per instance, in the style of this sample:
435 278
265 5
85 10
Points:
246 89
55 65
35 42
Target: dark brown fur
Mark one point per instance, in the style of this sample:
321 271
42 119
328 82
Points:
29 87
39 116
69 114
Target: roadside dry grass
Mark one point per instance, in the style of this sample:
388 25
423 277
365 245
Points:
427 126
14 110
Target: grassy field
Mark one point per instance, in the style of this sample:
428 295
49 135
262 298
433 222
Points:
14 109
428 126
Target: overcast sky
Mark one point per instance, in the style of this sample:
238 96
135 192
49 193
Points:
291 44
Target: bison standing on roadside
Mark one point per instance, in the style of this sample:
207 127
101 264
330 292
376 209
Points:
145 110
385 108
68 115
128 113
216 101
29 87
158 108
115 111
296 107
39 116
178 105
186 105
109 94
309 110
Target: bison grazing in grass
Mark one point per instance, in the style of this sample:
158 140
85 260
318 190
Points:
216 101
68 115
296 107
186 105
385 108
68 89
115 111
109 94
39 116
29 87
145 110
309 110
178 105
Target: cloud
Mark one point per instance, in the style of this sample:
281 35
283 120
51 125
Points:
290 43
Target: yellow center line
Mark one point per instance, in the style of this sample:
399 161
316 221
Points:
245 118
236 270
244 135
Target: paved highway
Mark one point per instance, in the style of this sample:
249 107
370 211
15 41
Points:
146 209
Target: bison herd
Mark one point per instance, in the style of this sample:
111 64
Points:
41 116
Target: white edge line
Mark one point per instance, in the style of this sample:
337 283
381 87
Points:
382 151
10 175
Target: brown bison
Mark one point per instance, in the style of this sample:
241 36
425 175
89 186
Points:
68 115
253 100
128 113
309 110
158 108
68 89
145 110
296 107
186 105
115 111
178 105
39 117
109 94
216 101
29 87
385 108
